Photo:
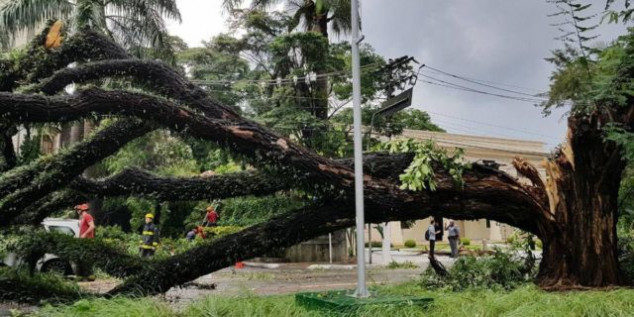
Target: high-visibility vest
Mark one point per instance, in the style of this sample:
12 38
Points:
149 236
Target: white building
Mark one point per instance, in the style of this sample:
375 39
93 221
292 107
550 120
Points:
476 148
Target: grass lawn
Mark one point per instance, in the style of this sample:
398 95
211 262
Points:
524 301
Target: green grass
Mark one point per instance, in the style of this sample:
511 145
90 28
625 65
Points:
123 307
524 301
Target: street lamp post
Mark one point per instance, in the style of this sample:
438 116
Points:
362 290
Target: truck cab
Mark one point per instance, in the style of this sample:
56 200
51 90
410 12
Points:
51 262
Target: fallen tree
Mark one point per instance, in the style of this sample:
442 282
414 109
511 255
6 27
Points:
574 212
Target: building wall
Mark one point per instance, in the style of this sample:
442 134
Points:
476 148
318 249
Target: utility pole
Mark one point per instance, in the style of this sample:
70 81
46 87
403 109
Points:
361 290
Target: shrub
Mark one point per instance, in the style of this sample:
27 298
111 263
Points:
111 232
221 230
20 287
499 271
626 257
375 244
410 243
465 241
404 265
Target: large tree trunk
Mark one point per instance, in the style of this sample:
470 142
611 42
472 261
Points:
580 248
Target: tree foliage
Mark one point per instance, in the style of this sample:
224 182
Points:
133 24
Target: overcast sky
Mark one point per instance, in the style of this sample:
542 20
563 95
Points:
499 41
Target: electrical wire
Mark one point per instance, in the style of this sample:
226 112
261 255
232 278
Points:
443 83
488 124
282 80
484 82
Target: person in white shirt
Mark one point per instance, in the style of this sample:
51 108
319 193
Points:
454 236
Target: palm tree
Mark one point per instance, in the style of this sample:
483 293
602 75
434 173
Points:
315 16
132 23
311 15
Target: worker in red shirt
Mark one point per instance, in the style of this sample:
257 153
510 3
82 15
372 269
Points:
211 217
86 231
86 222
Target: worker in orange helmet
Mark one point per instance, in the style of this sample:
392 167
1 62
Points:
211 217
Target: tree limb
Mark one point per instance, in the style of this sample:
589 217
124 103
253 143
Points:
134 182
21 187
265 147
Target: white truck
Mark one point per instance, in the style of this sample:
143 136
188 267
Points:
50 262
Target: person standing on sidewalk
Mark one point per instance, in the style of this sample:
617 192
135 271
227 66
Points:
86 231
432 237
453 233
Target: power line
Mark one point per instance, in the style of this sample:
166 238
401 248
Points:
447 84
281 80
491 86
533 97
488 124
483 82
471 128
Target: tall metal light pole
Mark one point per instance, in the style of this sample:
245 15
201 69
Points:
362 290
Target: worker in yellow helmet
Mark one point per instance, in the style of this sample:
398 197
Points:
150 237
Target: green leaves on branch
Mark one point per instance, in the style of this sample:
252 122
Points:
622 137
420 173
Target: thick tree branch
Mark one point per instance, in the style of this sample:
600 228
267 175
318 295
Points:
49 204
45 175
134 182
7 130
292 228
267 148
154 76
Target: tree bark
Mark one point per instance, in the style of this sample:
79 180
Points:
580 250
45 206
7 130
134 182
21 188
266 148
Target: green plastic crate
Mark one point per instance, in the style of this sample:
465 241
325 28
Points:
343 301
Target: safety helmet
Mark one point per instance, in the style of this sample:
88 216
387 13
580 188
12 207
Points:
149 216
82 207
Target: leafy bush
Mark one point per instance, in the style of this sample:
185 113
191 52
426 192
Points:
6 241
465 241
500 271
626 256
404 265
378 244
220 231
410 243
375 244
246 211
111 233
20 287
